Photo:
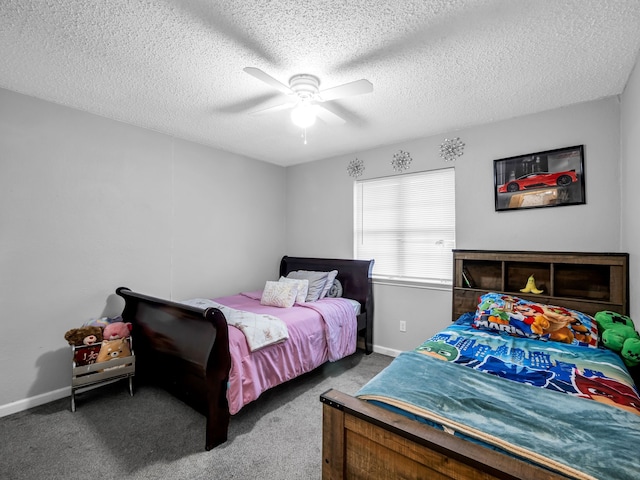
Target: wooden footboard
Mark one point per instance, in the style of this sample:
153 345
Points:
363 441
185 350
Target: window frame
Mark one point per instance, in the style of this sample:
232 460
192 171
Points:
434 282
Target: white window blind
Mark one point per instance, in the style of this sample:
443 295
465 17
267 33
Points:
407 224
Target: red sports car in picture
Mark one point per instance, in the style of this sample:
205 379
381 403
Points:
539 180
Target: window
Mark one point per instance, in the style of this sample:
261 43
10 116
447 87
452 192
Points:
407 224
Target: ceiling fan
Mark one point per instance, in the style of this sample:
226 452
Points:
306 100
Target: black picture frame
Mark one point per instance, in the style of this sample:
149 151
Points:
551 178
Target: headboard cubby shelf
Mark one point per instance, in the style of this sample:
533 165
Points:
589 282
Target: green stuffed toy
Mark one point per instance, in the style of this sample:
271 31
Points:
631 352
618 333
607 318
615 336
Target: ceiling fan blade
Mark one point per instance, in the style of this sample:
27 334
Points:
250 104
213 16
448 24
351 117
350 89
328 116
274 108
268 79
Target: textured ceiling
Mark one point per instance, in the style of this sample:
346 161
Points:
436 66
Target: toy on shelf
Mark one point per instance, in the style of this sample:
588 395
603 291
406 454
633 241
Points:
530 287
112 349
84 335
102 353
116 330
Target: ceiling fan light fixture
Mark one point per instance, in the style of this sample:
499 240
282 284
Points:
307 99
303 115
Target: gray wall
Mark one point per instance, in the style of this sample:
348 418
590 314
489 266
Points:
630 174
89 204
325 228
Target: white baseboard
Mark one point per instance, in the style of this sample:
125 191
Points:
386 351
36 401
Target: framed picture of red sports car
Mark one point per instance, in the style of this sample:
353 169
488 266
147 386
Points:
545 179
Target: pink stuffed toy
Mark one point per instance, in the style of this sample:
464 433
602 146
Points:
116 330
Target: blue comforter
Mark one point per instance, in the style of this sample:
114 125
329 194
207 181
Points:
557 425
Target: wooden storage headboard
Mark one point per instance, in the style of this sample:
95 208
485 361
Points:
360 437
588 282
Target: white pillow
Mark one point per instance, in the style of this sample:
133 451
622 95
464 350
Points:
316 282
331 276
279 294
303 288
336 289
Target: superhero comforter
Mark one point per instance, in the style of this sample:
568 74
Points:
580 419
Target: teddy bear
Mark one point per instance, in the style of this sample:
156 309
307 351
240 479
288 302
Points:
87 335
116 330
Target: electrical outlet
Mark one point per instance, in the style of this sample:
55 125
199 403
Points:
403 326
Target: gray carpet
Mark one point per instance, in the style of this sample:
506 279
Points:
152 435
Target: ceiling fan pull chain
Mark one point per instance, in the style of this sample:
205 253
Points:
304 135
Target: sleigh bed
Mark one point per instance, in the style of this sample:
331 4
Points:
193 349
429 416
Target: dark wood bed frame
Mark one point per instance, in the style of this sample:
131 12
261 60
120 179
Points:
361 440
186 349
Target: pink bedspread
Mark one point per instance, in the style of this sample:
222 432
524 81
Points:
318 331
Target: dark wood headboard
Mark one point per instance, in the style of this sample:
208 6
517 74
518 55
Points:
355 277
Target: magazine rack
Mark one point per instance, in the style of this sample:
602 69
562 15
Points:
86 374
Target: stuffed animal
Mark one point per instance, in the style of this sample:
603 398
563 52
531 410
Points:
102 321
114 349
530 287
84 335
617 333
116 330
607 318
615 336
630 352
